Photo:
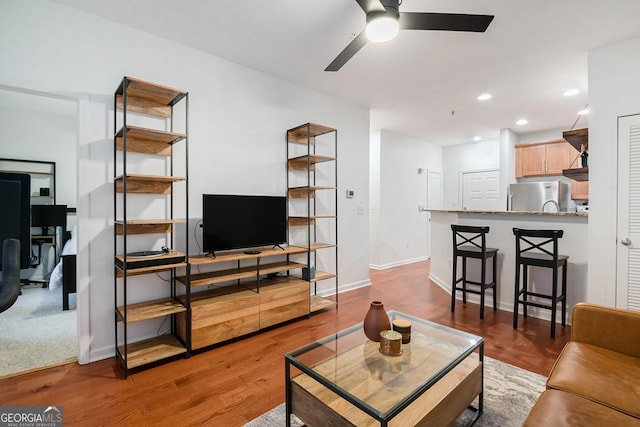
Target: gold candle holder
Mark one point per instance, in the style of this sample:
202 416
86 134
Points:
390 343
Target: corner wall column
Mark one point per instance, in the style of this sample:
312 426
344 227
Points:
508 140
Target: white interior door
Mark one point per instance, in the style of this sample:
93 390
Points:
480 190
434 201
628 249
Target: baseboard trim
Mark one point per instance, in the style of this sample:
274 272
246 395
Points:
396 264
536 312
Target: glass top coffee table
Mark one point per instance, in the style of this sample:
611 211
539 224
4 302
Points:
343 379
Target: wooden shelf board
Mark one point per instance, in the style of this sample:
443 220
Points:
577 137
306 133
577 174
320 275
317 245
249 272
278 267
304 192
148 98
147 184
238 255
215 277
151 350
150 226
320 245
146 270
295 221
148 141
302 163
319 303
150 178
151 309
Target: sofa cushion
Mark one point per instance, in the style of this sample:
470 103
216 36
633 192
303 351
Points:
558 408
604 376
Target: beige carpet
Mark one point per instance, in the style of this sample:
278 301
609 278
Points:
35 332
509 394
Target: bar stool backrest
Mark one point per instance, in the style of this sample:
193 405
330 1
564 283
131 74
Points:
538 242
465 238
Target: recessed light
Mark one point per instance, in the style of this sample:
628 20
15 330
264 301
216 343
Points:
522 122
583 112
484 97
571 92
477 138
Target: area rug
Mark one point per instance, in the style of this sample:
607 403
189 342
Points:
509 394
36 332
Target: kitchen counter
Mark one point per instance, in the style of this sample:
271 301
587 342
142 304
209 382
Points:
574 243
579 214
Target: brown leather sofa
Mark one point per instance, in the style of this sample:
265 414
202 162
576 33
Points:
596 379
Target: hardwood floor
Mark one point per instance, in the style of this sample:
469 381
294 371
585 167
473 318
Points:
234 383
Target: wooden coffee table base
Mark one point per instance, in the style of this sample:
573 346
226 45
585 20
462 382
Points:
440 405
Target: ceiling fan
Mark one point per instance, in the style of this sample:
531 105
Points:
384 20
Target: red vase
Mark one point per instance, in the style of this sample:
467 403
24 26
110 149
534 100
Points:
375 321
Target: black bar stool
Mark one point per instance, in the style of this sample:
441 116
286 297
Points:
466 245
539 248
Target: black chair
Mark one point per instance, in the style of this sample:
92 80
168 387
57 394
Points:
471 242
10 280
539 248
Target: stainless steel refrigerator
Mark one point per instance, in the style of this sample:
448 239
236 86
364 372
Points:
548 196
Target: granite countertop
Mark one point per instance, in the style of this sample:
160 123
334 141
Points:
571 214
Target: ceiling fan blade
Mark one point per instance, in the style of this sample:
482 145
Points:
444 21
351 49
371 5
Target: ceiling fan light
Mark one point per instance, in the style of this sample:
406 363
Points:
382 29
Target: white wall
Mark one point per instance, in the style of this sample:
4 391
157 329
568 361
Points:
614 90
546 135
46 137
238 118
473 156
402 229
374 198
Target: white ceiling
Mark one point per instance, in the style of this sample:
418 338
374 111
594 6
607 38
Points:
531 53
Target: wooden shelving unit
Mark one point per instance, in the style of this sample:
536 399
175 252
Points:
257 293
577 174
138 98
577 138
312 182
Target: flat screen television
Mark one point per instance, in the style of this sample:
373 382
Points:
240 221
48 216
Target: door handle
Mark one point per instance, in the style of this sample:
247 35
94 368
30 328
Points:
626 241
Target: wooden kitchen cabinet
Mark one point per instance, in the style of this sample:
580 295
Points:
579 190
543 158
